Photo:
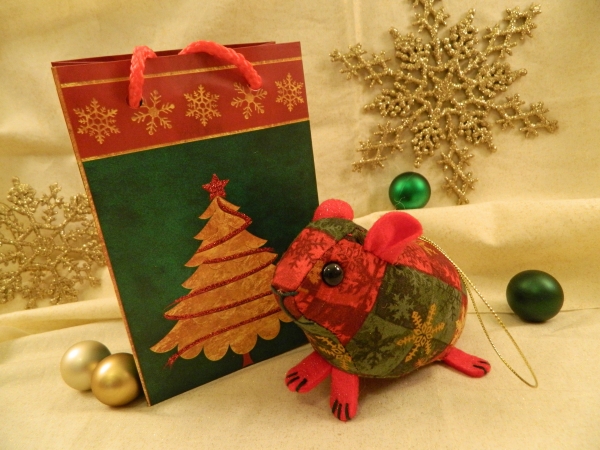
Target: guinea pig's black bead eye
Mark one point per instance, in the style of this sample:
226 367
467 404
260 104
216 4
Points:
332 274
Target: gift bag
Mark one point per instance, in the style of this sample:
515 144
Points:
199 166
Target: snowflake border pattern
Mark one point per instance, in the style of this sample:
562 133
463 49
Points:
97 121
202 105
444 89
152 112
289 92
248 99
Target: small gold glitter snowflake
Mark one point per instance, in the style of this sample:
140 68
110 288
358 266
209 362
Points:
151 111
423 333
44 254
202 105
248 100
445 89
97 121
289 92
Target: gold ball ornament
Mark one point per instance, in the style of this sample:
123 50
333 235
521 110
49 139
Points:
78 363
115 381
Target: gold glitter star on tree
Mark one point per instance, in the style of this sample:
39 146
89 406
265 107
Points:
47 246
446 89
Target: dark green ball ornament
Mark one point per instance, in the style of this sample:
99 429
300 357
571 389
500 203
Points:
534 296
409 190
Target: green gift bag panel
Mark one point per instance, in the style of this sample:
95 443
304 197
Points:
195 291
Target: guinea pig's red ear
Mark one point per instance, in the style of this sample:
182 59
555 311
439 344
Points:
334 209
390 234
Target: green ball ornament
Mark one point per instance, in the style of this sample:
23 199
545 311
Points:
534 296
409 190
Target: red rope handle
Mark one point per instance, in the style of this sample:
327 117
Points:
140 54
229 55
136 74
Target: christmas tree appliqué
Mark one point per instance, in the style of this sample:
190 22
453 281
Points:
230 302
445 89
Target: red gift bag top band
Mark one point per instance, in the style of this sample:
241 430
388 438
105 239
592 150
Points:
185 98
229 55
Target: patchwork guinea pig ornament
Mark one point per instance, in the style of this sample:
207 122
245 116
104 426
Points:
378 303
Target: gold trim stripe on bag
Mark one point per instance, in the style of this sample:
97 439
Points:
185 141
176 73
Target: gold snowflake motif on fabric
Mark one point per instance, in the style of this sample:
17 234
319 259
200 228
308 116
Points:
289 92
460 326
431 251
446 89
334 350
248 100
48 246
422 334
151 112
96 121
202 105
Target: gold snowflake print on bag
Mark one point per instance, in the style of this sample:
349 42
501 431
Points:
248 100
289 92
445 90
152 113
202 105
97 121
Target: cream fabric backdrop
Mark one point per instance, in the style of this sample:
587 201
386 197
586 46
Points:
536 205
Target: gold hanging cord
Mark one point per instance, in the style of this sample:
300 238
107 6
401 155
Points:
469 285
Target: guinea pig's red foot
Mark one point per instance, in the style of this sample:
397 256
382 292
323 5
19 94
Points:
468 364
344 395
309 373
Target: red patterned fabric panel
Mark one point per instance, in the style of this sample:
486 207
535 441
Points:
342 309
424 257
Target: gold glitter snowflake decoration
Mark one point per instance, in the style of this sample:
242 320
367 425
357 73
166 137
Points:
151 112
202 105
445 89
248 100
48 246
289 92
96 121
